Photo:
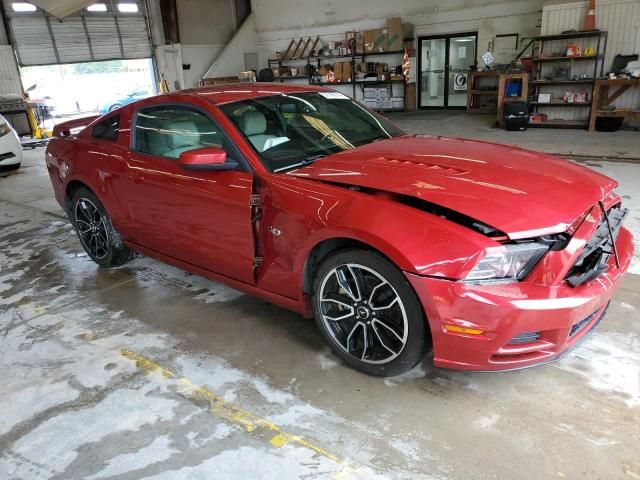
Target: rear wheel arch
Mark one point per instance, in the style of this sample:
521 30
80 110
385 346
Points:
95 231
75 184
72 188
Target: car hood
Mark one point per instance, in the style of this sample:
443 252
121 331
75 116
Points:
522 193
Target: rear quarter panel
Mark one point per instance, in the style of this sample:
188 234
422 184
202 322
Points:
98 164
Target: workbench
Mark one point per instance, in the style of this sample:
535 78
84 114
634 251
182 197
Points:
605 92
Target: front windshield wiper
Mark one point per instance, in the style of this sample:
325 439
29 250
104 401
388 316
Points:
367 140
313 158
303 163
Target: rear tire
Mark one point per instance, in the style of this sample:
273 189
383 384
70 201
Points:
95 231
368 313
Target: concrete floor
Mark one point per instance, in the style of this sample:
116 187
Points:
147 372
623 144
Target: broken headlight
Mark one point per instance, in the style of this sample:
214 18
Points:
509 262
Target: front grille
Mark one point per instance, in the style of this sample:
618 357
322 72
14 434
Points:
527 337
577 327
593 259
581 324
4 156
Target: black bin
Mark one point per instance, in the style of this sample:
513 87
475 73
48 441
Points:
516 116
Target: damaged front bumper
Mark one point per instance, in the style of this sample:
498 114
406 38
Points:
520 324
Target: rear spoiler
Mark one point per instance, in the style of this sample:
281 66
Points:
70 127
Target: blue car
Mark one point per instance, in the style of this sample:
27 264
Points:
130 97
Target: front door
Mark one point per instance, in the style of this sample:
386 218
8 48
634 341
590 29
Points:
445 62
196 216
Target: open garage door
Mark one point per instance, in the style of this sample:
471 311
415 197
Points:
108 30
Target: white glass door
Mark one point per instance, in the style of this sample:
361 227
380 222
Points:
462 55
445 63
433 75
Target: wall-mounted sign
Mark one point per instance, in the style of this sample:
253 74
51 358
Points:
460 81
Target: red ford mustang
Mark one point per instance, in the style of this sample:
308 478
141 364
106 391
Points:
493 256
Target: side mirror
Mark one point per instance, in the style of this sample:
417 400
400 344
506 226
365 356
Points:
208 158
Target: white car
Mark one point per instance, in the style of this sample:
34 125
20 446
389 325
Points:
10 148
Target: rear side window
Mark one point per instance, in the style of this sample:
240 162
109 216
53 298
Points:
107 129
168 131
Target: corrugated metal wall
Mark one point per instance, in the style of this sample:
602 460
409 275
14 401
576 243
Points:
9 76
40 39
620 18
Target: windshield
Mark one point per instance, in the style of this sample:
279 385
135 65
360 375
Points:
289 131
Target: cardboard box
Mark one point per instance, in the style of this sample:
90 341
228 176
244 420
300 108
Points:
368 39
370 93
346 72
285 71
397 103
337 71
383 93
385 104
382 71
395 39
359 42
380 44
372 103
381 68
408 30
375 40
324 70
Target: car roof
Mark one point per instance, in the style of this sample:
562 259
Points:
233 92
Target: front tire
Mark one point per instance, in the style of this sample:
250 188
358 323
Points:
369 313
95 231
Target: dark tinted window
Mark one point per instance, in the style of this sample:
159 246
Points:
168 131
107 129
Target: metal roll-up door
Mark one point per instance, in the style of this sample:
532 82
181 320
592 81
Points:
41 39
35 44
102 32
135 37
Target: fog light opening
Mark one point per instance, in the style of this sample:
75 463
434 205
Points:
527 337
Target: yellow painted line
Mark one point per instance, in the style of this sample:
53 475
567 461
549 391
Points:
249 422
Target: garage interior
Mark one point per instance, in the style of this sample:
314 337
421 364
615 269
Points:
147 371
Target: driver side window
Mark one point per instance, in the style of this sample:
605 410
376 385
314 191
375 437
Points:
168 131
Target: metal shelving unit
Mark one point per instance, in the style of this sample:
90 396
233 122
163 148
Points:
538 82
560 104
390 82
318 60
567 59
561 82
